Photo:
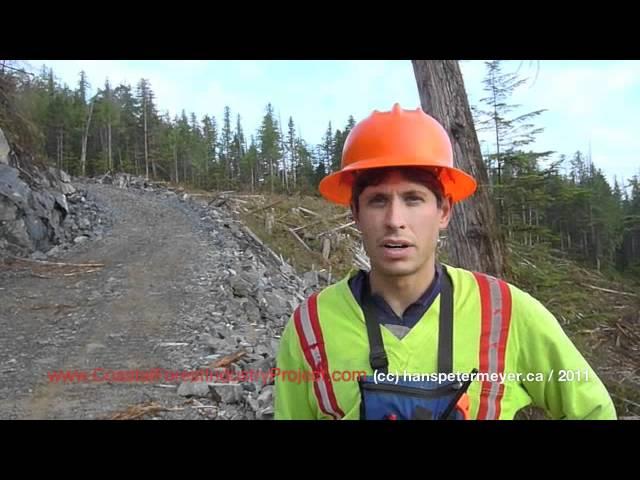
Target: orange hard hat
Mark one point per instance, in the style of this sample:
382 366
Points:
399 138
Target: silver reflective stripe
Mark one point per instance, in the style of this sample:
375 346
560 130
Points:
306 325
311 341
494 339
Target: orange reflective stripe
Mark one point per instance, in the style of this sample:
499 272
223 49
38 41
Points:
312 344
495 298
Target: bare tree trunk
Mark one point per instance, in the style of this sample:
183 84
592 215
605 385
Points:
175 159
146 139
109 145
595 239
474 240
184 168
524 224
284 157
271 172
103 143
206 167
136 156
85 135
294 166
59 150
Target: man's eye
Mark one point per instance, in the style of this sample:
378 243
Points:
377 201
414 199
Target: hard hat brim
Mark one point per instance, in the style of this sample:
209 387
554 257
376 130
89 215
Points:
336 187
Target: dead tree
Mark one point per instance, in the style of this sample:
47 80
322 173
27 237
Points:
473 237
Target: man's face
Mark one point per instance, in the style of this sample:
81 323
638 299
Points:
400 222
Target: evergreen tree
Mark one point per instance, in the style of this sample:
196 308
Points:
269 147
225 145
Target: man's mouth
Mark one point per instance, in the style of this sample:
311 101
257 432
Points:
396 244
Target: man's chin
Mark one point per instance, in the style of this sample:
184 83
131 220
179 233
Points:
396 269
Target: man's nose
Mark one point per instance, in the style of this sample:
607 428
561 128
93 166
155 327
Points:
395 217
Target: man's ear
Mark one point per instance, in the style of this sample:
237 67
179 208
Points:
354 213
445 212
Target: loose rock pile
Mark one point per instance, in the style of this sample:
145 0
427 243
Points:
247 295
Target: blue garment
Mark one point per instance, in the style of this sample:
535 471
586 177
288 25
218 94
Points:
386 316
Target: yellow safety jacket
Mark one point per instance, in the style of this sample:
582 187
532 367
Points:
521 353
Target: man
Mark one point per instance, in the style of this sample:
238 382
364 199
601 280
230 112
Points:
411 315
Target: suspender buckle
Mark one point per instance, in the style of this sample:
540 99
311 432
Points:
378 359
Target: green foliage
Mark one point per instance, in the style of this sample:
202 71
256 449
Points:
563 204
577 213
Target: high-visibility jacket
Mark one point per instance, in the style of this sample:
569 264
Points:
522 354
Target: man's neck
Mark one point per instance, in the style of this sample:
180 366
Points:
400 292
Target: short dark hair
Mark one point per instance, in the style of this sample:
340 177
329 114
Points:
375 176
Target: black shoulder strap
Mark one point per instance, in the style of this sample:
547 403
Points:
377 355
445 336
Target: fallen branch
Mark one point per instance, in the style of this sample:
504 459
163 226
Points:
248 196
622 330
43 262
79 273
228 360
272 204
529 263
336 229
626 331
286 224
299 239
337 217
611 291
135 412
310 212
222 196
248 231
55 305
626 400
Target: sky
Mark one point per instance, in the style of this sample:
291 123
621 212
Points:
590 105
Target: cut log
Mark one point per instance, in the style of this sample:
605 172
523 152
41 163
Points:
611 291
248 231
346 225
326 248
299 239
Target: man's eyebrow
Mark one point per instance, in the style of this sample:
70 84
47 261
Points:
379 193
382 193
414 192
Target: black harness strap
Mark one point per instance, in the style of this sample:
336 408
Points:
445 329
377 355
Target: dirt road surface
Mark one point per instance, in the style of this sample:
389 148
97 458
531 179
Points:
128 314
